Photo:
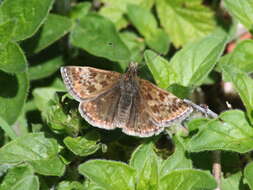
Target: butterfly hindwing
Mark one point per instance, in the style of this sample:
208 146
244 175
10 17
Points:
101 111
140 122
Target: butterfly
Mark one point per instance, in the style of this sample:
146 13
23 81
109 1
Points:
112 100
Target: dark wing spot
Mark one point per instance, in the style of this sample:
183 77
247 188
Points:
155 109
149 97
93 75
162 97
104 83
91 89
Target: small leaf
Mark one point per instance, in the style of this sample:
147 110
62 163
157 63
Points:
101 38
187 179
160 68
178 160
52 166
46 68
248 173
83 146
54 27
146 163
232 182
20 178
241 10
243 85
155 37
141 153
185 21
196 60
135 44
40 152
80 9
110 175
13 95
233 133
28 14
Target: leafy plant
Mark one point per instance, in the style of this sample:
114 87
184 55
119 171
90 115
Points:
180 45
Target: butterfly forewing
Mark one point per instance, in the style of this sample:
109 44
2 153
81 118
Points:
101 111
163 107
86 82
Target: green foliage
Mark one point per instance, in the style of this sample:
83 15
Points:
20 177
232 133
248 172
101 38
46 144
185 21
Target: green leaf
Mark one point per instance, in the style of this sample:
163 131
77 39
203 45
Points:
146 163
243 85
70 185
160 68
248 173
155 37
7 129
241 10
80 10
232 182
53 166
110 175
187 179
83 146
233 133
35 149
135 44
12 59
46 68
115 10
101 38
241 57
42 97
140 154
89 185
185 21
60 120
6 32
20 178
195 61
28 14
13 95
178 160
54 27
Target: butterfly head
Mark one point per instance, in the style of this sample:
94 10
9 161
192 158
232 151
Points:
131 72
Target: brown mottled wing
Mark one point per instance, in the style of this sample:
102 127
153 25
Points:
140 122
86 82
100 112
163 107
